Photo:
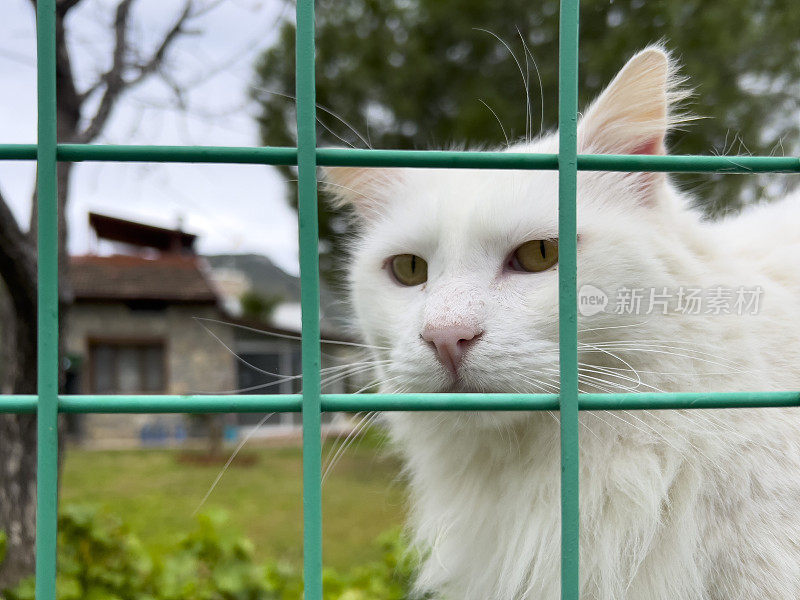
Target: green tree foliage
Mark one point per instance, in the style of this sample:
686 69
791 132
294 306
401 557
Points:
100 559
415 74
258 306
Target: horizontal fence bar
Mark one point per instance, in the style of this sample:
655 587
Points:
181 404
342 157
401 402
354 157
689 164
18 403
18 151
181 154
438 402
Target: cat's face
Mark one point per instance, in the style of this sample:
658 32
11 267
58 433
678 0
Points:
483 317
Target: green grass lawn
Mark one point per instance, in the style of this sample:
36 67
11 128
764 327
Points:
156 494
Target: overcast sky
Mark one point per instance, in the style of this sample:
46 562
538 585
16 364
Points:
232 208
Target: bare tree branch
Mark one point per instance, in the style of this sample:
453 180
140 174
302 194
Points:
63 6
114 79
69 101
128 68
157 57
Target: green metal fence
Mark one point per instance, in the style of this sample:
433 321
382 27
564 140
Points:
47 403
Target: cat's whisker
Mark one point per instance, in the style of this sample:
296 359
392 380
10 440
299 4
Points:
610 387
340 371
581 373
635 372
596 415
375 207
356 364
682 453
320 107
529 120
252 388
665 343
542 386
647 372
287 336
613 386
706 433
503 429
334 446
555 417
330 462
227 464
538 76
651 350
661 349
626 325
582 348
538 384
372 206
340 377
362 425
261 386
378 382
503 129
694 446
727 367
334 134
522 74
656 345
231 351
584 368
585 425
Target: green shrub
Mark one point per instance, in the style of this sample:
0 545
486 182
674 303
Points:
100 559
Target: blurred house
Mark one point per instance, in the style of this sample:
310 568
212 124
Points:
269 346
148 318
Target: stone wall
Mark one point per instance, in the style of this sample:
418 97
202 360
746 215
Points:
196 362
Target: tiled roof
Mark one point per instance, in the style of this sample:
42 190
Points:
170 278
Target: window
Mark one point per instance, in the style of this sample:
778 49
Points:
282 361
127 367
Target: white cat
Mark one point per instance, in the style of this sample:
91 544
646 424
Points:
454 280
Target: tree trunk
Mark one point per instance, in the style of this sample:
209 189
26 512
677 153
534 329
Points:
215 430
129 67
18 496
18 452
18 432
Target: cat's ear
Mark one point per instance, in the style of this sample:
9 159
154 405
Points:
364 190
634 113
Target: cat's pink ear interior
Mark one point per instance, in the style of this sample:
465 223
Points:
360 188
634 113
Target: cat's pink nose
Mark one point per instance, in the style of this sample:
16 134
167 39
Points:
451 343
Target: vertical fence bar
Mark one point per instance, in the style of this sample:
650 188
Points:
567 283
309 299
47 407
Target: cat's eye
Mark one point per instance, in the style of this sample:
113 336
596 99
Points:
409 269
534 256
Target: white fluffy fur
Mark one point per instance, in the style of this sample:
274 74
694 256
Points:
690 505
